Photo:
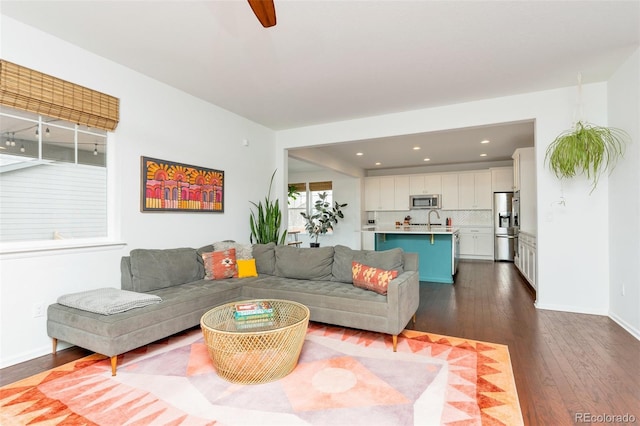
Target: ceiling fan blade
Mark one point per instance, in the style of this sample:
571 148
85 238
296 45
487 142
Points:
265 12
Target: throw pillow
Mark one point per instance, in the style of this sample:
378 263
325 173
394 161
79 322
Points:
370 278
247 268
220 264
243 251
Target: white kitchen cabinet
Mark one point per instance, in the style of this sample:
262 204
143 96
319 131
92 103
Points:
526 258
502 179
425 184
524 175
401 197
379 193
474 191
368 240
450 191
476 243
516 170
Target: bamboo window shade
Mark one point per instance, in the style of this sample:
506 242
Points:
320 186
299 187
28 90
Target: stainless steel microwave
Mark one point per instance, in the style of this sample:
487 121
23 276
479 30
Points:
430 201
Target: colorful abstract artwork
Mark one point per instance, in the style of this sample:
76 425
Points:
175 187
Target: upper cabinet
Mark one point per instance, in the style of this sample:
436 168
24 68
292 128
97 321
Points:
474 191
379 193
460 191
425 184
450 191
502 179
401 185
386 193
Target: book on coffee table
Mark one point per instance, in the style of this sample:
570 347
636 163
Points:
252 308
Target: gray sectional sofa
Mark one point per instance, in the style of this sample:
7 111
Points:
319 278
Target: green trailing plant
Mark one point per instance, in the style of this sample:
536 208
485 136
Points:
586 149
326 216
265 222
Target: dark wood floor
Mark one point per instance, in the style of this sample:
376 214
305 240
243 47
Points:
564 364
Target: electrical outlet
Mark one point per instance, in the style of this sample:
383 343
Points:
38 309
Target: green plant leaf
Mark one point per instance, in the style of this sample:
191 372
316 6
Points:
586 149
266 221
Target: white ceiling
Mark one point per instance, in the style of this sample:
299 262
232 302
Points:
328 61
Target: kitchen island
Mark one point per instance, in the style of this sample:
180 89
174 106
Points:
437 248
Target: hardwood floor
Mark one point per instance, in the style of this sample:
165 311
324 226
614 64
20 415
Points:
565 365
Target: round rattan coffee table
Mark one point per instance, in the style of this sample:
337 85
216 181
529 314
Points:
255 353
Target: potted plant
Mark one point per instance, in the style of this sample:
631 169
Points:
587 149
324 219
265 223
292 193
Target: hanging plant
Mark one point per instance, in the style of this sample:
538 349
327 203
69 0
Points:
586 149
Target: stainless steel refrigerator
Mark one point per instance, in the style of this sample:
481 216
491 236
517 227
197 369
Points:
505 225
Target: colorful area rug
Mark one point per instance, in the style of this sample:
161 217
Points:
343 377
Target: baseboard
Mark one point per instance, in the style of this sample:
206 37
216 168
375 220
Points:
628 327
28 356
571 309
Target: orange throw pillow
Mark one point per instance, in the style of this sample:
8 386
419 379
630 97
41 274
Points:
220 264
370 278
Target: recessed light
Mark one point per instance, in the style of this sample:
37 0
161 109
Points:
483 155
485 141
359 153
378 163
427 159
416 148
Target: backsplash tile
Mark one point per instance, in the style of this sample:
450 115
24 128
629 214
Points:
459 217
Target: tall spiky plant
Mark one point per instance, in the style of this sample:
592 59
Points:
265 223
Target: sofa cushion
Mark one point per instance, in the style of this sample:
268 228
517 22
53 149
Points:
304 263
370 278
152 269
265 256
387 259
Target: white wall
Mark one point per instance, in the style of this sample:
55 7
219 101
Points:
624 198
156 121
572 242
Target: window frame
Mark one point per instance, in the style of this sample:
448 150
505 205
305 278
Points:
36 247
309 209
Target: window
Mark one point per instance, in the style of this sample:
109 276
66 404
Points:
53 178
306 191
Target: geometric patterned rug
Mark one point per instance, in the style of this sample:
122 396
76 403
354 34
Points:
343 376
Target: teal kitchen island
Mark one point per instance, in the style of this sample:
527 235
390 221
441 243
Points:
437 249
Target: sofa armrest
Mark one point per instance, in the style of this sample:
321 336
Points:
410 261
403 298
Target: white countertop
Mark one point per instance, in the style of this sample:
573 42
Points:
411 230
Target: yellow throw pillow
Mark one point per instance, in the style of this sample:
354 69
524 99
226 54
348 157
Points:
246 268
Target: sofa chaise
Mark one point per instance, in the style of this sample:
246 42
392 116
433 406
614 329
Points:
320 278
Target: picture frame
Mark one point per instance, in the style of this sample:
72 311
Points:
167 186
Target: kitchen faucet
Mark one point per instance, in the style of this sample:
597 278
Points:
429 217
